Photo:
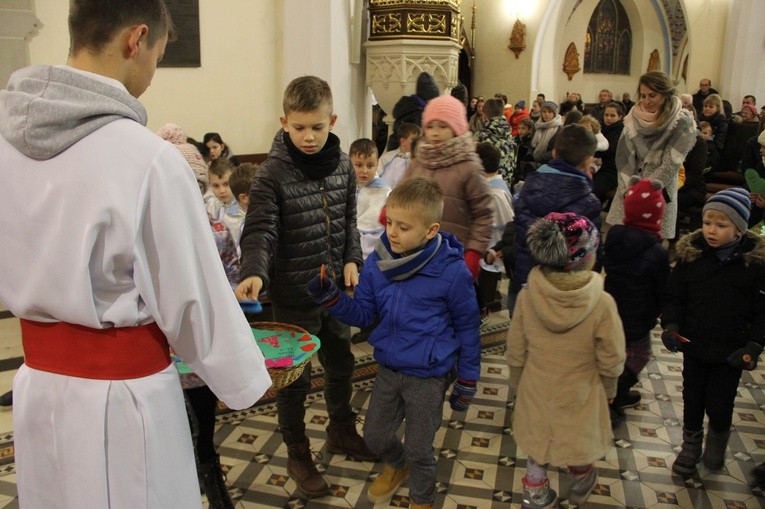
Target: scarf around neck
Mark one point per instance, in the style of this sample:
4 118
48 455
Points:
543 134
450 152
400 267
319 165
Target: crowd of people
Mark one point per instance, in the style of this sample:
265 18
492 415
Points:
406 244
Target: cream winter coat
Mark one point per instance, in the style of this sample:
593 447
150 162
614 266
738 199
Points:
565 349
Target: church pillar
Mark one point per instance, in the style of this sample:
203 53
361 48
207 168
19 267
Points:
407 38
743 61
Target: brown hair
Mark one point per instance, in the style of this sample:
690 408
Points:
219 167
241 179
716 100
93 23
363 147
420 194
307 93
660 83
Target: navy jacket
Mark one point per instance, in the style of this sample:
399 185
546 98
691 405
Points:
719 306
554 187
637 266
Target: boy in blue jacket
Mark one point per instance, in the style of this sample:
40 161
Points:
416 283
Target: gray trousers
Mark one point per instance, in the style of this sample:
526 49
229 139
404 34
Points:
337 359
419 401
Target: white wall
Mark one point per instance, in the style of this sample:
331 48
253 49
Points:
235 90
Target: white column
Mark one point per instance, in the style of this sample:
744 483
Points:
316 40
743 61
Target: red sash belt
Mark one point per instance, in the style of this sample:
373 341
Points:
117 353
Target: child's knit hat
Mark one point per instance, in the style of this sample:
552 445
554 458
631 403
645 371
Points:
427 88
644 205
761 138
449 110
550 106
172 133
734 202
520 104
564 241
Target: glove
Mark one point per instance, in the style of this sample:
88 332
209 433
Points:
462 394
746 357
323 291
473 260
670 338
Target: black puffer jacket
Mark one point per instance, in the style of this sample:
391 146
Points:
294 224
637 266
718 305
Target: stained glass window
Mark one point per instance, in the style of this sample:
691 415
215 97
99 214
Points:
608 40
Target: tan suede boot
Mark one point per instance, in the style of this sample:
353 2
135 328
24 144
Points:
418 505
386 484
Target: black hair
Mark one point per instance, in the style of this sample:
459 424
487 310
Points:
489 155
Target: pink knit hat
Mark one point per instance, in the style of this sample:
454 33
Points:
449 110
172 133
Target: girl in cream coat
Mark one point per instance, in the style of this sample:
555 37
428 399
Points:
565 349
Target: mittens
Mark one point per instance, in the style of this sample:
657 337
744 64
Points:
473 260
462 394
323 291
746 357
671 338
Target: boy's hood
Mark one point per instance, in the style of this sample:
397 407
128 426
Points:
690 247
46 109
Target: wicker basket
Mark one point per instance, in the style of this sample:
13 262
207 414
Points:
282 377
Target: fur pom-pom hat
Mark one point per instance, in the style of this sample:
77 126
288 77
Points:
563 241
449 110
644 205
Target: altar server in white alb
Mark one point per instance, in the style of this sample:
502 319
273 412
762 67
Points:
107 257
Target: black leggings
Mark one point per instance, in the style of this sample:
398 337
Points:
203 402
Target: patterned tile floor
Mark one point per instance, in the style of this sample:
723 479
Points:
477 457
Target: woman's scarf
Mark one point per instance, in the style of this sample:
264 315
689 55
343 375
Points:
447 153
543 134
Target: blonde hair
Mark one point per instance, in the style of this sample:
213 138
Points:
422 195
592 123
716 100
307 93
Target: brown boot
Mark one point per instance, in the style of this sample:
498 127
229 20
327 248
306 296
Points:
302 470
342 438
420 505
386 484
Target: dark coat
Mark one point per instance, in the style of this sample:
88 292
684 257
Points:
695 186
294 224
698 100
408 110
554 187
637 266
605 179
718 306
719 124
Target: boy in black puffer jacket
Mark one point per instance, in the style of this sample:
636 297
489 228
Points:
637 266
715 298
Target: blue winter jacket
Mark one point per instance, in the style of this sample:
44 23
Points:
554 187
428 322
